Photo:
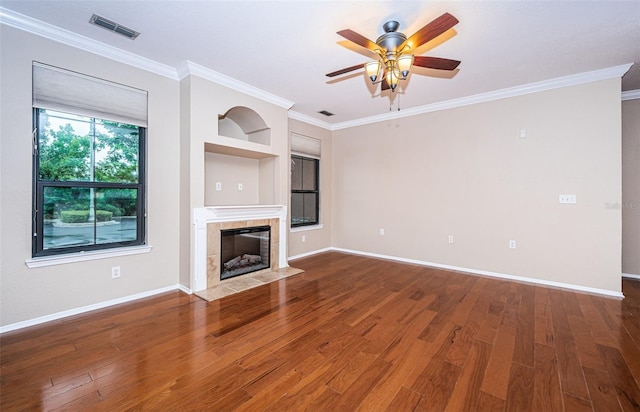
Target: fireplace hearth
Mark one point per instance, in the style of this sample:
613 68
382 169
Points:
244 250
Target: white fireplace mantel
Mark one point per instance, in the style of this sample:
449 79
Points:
215 214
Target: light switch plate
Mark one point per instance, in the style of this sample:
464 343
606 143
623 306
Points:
567 199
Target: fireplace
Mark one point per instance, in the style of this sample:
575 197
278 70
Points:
210 221
244 250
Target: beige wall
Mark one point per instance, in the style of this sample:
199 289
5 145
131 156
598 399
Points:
30 293
230 171
186 218
461 172
465 172
317 238
631 187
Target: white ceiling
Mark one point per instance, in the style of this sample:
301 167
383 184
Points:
286 47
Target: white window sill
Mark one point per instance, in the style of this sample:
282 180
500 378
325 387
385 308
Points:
38 262
305 228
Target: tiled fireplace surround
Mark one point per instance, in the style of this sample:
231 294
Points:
209 221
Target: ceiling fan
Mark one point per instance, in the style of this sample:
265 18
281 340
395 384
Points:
394 52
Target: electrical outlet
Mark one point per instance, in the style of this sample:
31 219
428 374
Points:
239 187
218 186
450 238
304 238
381 232
512 244
115 272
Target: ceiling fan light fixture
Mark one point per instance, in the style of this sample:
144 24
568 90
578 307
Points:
394 50
372 69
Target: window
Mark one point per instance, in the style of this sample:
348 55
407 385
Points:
305 197
88 163
88 192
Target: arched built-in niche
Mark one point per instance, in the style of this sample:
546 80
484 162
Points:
245 124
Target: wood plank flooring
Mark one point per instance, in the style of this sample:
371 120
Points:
351 333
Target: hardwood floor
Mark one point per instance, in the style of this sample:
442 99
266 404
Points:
350 333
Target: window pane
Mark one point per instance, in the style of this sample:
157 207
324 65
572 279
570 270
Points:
310 207
309 174
116 215
72 219
297 208
303 208
64 147
296 173
66 217
116 152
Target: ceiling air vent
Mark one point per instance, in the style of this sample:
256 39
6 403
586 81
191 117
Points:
113 26
326 113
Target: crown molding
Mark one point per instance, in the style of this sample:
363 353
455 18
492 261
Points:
51 32
308 119
191 68
46 30
559 82
631 95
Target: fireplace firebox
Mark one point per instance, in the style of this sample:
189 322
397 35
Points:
244 250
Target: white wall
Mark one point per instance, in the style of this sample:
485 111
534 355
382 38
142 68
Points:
465 172
31 293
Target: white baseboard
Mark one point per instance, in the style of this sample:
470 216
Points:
88 308
185 289
630 275
487 273
314 252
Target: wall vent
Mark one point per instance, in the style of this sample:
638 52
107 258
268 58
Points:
325 112
113 26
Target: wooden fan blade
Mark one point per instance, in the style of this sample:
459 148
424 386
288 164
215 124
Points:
358 39
345 70
384 85
430 31
435 63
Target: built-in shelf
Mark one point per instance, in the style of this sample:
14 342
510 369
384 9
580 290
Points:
243 123
240 163
241 148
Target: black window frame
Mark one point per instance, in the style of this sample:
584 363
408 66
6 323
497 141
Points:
316 191
40 185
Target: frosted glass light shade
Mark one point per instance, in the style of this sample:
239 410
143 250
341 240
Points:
404 64
372 69
392 78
